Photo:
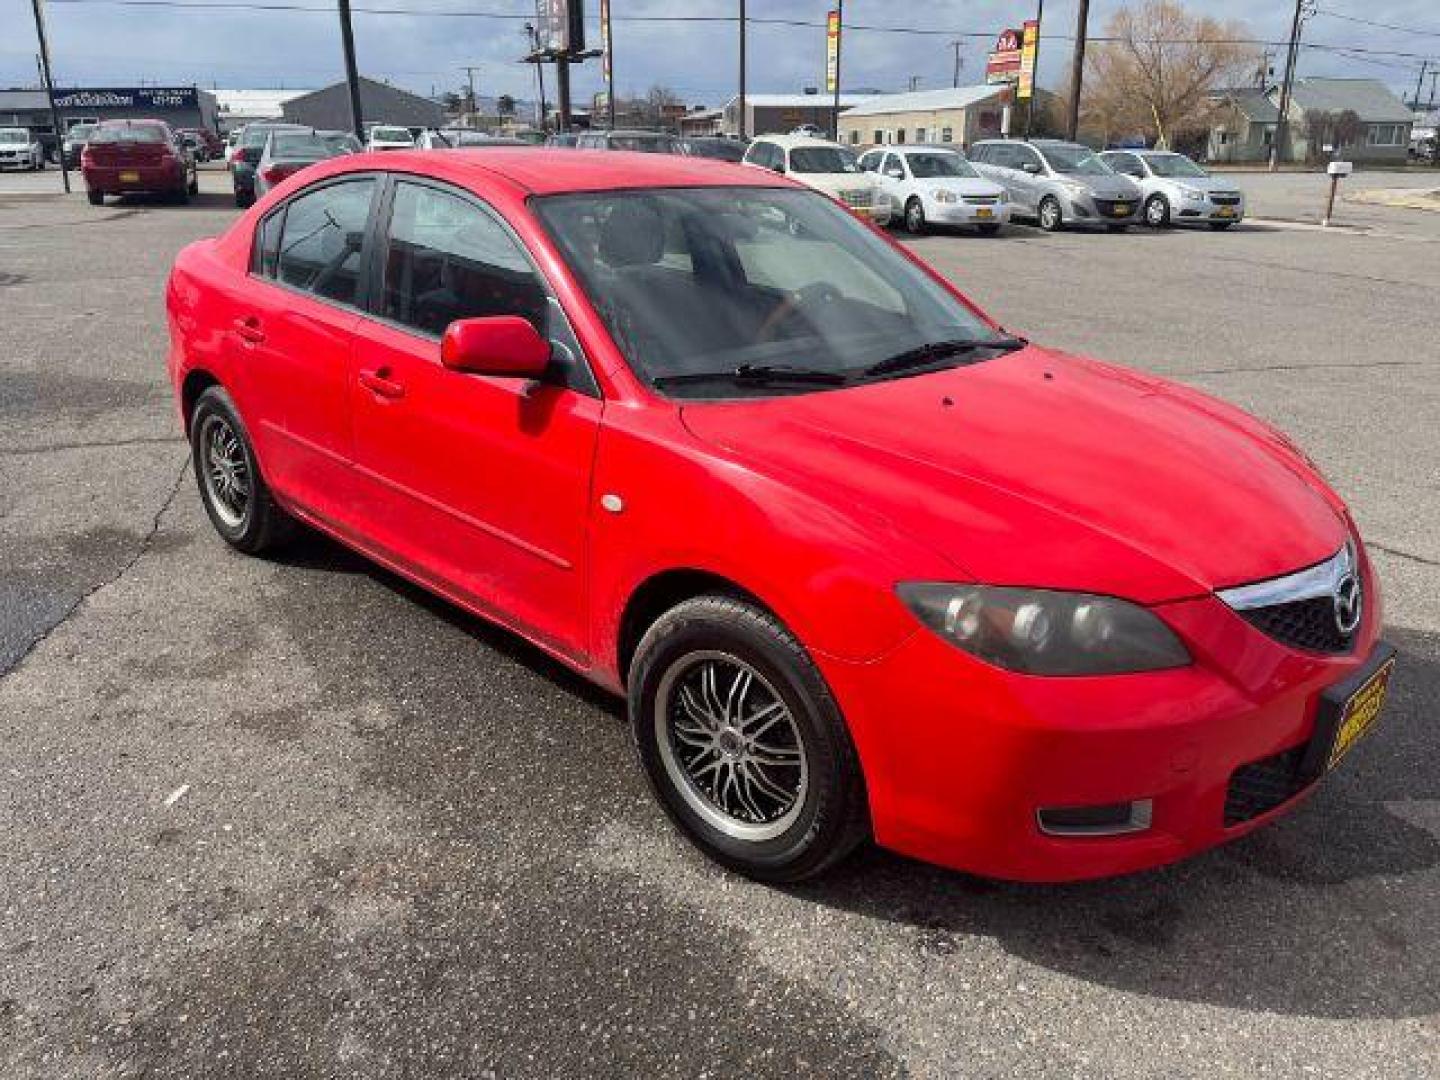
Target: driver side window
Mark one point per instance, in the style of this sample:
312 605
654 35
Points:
322 240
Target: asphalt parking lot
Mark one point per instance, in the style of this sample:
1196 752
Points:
293 818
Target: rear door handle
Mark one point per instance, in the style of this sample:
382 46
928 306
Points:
378 382
248 329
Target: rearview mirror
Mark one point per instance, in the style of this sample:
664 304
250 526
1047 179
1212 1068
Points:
503 346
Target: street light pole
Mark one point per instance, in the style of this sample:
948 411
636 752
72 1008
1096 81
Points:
352 77
50 93
1035 77
744 119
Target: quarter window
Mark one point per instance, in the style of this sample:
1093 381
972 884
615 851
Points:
323 237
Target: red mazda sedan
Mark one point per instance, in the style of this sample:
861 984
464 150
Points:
864 564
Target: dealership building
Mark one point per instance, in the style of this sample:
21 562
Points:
178 106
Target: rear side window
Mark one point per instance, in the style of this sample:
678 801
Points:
322 240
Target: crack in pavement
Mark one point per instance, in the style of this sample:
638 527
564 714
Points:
1299 367
100 444
140 550
1423 560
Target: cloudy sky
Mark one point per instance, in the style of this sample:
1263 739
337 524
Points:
414 43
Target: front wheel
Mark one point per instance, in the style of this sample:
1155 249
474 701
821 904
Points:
742 743
914 216
235 496
1157 212
1050 216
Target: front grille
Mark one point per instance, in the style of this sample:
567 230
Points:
1302 624
1225 200
1263 785
982 200
855 198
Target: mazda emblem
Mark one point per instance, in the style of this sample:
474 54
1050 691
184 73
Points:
1348 604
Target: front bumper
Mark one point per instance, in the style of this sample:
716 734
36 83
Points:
963 213
959 756
1207 211
1088 210
17 161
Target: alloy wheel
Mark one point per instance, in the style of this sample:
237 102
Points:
1049 215
1156 213
730 746
226 470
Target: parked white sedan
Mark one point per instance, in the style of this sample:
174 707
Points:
931 185
20 149
1176 190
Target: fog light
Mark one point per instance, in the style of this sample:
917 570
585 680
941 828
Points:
1108 819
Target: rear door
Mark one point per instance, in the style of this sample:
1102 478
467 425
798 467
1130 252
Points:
480 485
294 337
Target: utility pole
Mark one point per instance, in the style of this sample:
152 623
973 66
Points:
1030 101
744 118
915 81
474 104
839 46
352 77
1077 67
1424 64
955 79
50 93
1282 123
1433 73
534 36
562 88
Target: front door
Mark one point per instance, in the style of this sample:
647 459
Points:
480 484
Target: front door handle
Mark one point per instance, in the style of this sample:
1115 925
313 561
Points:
379 383
248 330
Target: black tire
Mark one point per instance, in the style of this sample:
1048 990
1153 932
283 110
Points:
1157 212
1116 227
194 186
181 196
244 198
1221 226
262 524
990 230
1050 216
828 818
915 216
96 198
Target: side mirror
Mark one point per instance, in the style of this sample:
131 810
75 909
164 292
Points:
779 167
895 173
504 346
1032 168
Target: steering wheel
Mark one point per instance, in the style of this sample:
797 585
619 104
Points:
796 303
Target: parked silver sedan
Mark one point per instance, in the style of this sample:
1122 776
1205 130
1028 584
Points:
1177 191
1058 183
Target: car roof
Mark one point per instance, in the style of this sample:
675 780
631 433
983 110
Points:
536 170
928 148
792 142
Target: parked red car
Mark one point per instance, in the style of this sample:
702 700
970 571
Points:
127 156
863 563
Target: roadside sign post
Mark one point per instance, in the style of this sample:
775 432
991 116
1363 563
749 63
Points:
834 28
352 77
1336 169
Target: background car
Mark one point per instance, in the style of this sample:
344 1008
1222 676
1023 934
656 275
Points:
287 152
926 186
246 155
343 141
1176 190
642 142
1058 183
21 149
128 156
562 139
74 141
389 137
825 166
712 147
208 145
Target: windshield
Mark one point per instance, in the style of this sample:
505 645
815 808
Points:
391 134
930 166
1174 166
822 159
690 281
14 137
1074 161
300 146
123 134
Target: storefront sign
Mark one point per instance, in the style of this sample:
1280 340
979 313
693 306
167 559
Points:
130 97
1003 64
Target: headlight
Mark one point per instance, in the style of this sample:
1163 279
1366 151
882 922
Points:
1191 195
1044 632
941 195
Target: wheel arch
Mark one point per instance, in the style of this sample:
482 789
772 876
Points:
195 383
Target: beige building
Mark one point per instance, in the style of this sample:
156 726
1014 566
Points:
960 115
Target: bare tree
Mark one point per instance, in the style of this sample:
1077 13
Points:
1157 69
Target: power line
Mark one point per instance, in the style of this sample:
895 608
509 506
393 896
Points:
1411 30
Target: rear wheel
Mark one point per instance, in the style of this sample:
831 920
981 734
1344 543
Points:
742 742
914 216
1050 216
236 498
95 197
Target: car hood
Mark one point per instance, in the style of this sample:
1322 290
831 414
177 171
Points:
961 185
1201 183
834 183
1047 470
1107 187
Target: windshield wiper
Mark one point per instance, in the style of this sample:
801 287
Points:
935 352
759 375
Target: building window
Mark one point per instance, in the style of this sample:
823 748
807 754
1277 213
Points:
947 134
854 136
879 136
899 135
919 134
1384 134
